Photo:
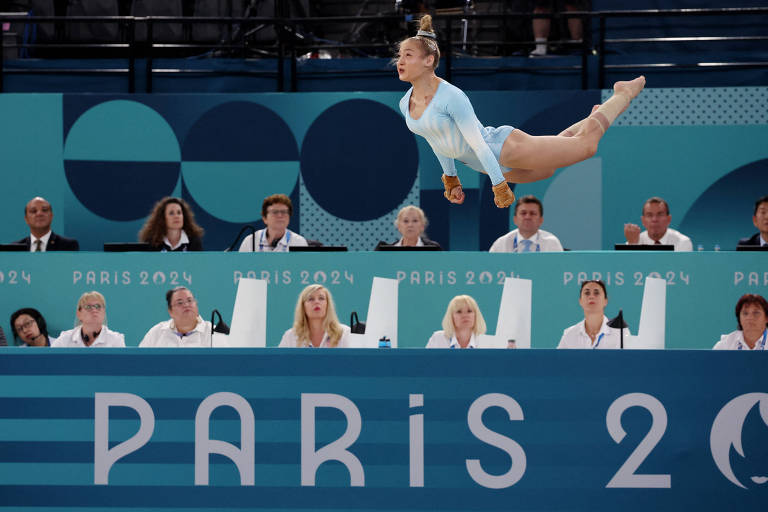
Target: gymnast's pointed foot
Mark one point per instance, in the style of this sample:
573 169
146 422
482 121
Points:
623 93
502 195
630 88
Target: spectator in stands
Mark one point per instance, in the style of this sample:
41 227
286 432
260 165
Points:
752 319
29 327
656 219
171 227
529 215
186 327
760 220
463 323
91 330
411 223
315 323
276 211
593 332
38 215
542 26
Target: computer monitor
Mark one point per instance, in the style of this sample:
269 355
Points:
640 247
407 248
752 247
13 248
318 248
127 247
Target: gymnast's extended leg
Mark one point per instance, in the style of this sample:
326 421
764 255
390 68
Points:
531 158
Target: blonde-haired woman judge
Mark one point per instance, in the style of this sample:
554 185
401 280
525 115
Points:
463 323
315 323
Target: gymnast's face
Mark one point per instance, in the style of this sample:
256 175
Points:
412 62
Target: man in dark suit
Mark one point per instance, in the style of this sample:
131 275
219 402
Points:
38 214
760 220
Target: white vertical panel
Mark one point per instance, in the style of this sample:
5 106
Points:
514 322
249 318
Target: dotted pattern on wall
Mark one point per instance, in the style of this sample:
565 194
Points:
318 224
696 106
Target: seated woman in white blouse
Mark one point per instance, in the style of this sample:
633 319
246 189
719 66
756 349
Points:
593 332
752 318
92 330
411 222
315 323
462 324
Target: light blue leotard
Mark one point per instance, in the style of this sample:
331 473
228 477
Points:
453 131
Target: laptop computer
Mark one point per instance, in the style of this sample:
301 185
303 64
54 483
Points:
408 248
318 248
13 248
639 247
127 247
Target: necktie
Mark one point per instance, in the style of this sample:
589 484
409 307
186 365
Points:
526 245
38 245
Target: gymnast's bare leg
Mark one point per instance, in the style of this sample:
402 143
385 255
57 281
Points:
533 158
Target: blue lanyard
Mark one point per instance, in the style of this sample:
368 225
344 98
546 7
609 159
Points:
261 240
538 245
762 342
599 338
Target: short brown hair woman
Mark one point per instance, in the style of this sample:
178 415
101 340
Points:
752 320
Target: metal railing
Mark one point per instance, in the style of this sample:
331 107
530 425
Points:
289 42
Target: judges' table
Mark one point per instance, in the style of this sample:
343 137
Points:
703 287
275 429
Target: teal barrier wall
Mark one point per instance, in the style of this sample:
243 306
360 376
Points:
534 430
349 164
702 290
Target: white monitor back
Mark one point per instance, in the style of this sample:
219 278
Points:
249 318
514 321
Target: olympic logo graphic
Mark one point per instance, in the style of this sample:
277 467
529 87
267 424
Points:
727 429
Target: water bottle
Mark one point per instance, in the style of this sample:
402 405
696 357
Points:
385 342
700 248
717 247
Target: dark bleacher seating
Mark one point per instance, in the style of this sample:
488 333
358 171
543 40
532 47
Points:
215 32
92 32
161 32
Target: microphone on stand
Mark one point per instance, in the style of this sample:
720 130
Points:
247 227
619 323
221 327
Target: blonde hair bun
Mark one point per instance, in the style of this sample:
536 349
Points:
425 23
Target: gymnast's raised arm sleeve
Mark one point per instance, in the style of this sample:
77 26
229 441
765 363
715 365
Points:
460 109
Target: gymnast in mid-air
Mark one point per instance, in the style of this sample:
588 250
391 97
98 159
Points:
442 114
